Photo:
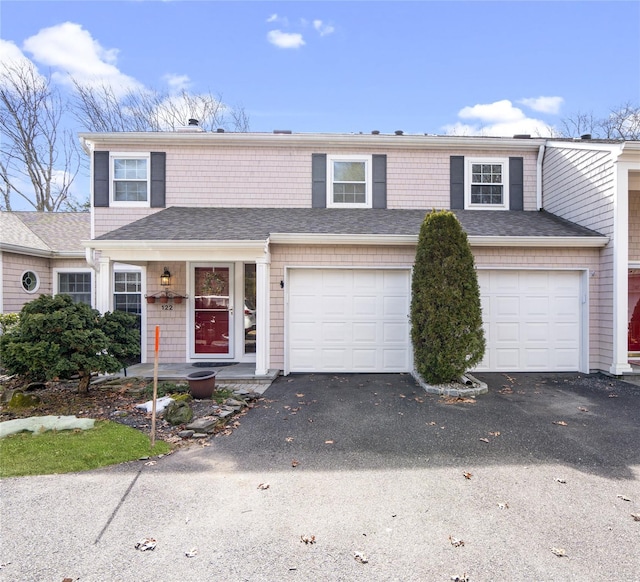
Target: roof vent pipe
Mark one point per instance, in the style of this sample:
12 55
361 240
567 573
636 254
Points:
521 136
282 131
585 136
375 132
194 122
220 130
399 132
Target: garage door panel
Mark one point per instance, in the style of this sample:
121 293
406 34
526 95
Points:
355 319
364 332
532 320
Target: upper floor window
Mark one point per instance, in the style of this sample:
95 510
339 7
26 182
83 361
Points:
487 183
349 183
130 179
75 283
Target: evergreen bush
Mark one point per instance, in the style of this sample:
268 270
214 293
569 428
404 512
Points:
446 316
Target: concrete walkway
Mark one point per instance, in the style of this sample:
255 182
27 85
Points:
425 488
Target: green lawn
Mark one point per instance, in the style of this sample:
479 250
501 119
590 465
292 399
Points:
66 451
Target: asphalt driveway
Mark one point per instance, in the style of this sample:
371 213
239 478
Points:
425 488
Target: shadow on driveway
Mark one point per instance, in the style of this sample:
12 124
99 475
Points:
372 421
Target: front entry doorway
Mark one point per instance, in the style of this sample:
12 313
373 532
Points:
213 313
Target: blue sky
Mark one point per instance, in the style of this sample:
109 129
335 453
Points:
496 68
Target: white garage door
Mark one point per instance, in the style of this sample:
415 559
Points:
532 320
348 320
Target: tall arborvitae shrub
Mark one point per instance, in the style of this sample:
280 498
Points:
446 317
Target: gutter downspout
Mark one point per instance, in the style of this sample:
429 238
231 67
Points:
539 177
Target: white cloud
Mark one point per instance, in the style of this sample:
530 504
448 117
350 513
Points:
73 52
322 28
283 20
544 104
177 82
285 40
500 118
17 67
272 18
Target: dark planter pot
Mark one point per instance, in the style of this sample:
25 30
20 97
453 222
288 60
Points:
164 299
202 384
177 299
151 299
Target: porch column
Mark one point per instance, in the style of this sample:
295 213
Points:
103 285
620 364
263 329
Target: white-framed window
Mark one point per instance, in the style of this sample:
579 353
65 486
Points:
349 181
130 177
127 291
30 281
75 282
487 183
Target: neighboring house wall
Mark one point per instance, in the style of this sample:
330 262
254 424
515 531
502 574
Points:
232 176
578 185
634 225
13 266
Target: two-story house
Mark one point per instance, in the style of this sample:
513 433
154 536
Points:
295 251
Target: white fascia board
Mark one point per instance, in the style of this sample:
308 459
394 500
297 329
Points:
539 241
326 140
20 250
191 250
343 239
412 240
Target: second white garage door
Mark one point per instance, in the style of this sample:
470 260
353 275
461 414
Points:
532 320
348 320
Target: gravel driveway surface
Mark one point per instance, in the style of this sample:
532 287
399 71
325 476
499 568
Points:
389 483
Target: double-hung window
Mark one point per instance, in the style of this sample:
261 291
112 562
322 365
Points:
127 291
487 183
349 183
130 179
77 284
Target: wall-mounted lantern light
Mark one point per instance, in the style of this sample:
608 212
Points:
165 278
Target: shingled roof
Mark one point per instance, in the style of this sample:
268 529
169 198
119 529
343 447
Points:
180 223
53 232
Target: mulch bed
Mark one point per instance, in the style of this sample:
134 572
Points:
105 401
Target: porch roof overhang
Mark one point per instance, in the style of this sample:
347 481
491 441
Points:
191 233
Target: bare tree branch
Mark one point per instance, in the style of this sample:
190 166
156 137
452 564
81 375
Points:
35 152
100 109
622 123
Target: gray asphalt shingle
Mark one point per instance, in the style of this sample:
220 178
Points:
181 223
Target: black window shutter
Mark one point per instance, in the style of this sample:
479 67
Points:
100 179
318 180
379 189
158 172
456 182
516 184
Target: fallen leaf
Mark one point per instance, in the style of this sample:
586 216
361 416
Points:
402 395
484 440
583 409
613 395
360 557
636 516
455 542
308 539
192 553
150 463
467 475
560 552
559 422
328 442
463 578
295 463
560 480
298 395
494 434
289 439
623 497
263 486
503 506
145 544
431 423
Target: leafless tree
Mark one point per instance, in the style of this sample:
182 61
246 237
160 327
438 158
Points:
39 159
623 122
101 109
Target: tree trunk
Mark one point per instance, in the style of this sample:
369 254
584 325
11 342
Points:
83 385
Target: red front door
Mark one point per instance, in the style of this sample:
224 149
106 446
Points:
213 310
